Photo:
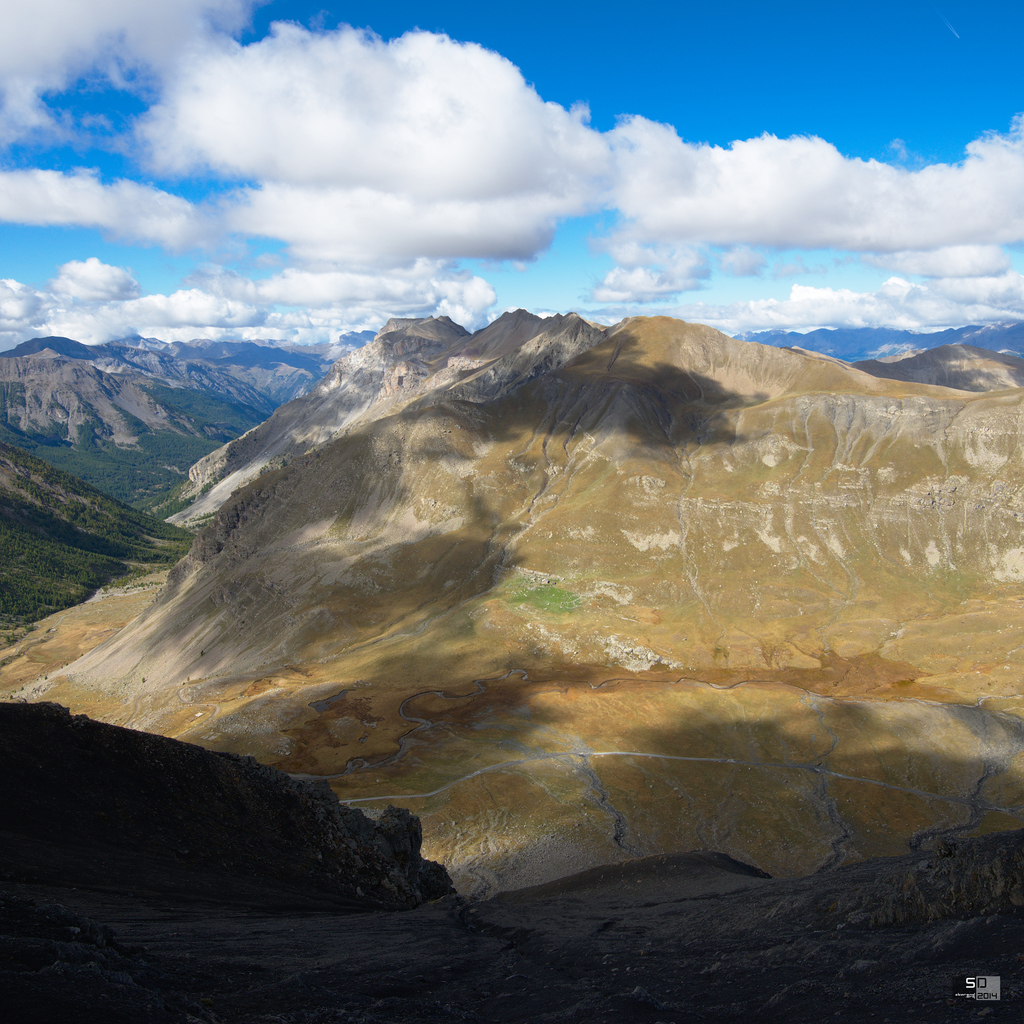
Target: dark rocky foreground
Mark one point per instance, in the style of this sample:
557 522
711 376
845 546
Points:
113 809
165 911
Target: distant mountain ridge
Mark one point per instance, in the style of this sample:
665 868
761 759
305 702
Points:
964 367
131 418
859 343
260 376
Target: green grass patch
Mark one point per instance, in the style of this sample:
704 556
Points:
546 598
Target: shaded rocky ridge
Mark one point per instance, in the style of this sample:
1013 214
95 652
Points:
690 937
408 360
959 879
964 367
58 965
100 806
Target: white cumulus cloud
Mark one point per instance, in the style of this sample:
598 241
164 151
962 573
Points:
802 193
951 261
648 273
124 208
382 163
94 302
428 287
420 146
898 303
743 262
92 280
19 307
47 44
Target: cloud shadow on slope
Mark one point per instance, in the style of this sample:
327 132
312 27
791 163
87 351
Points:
777 793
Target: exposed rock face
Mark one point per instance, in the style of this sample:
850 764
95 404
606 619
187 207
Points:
56 965
961 878
133 802
59 397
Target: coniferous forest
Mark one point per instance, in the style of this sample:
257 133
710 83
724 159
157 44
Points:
61 539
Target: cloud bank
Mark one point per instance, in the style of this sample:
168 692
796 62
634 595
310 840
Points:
382 164
94 302
898 303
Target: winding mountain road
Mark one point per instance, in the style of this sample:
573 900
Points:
817 769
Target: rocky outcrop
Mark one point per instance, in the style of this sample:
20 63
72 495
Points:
962 878
104 806
691 937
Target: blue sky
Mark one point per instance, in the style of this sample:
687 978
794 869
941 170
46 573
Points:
219 168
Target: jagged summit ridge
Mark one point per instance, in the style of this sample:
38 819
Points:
408 360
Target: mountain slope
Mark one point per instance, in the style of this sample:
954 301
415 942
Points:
60 538
676 592
129 435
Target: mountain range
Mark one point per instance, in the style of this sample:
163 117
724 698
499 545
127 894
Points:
409 358
576 594
131 419
859 343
